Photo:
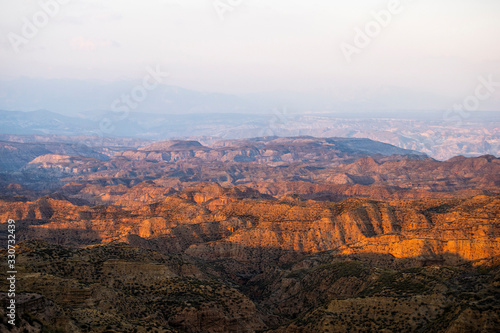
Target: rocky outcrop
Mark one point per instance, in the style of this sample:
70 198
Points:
212 222
126 288
319 169
16 155
469 229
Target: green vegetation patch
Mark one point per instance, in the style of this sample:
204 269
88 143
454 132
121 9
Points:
396 283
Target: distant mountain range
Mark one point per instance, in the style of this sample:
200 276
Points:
429 133
72 96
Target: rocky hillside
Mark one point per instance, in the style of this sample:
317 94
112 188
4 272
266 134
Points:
118 288
211 222
15 155
126 289
262 235
321 169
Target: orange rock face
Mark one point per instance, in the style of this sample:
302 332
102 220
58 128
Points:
210 222
285 224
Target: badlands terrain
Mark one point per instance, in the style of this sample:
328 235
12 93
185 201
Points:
439 134
271 234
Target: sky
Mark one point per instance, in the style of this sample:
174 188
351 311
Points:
347 50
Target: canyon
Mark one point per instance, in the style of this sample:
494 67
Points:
295 234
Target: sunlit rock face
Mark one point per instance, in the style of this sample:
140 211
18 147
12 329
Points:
286 235
209 221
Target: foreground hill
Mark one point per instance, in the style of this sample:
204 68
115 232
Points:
213 259
118 288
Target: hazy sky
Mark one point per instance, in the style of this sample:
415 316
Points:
238 46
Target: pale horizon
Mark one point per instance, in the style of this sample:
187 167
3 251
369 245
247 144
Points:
429 51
